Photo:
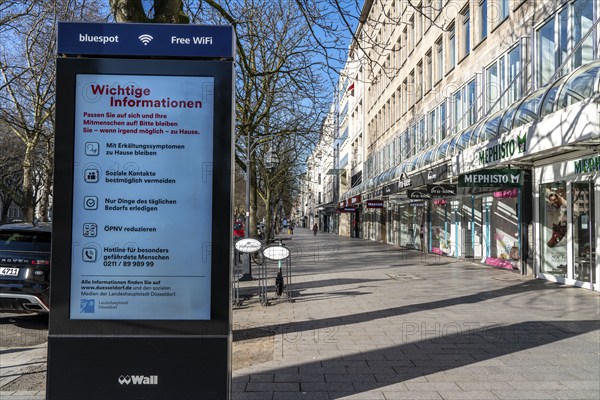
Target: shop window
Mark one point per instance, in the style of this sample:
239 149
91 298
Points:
582 208
440 226
501 224
553 228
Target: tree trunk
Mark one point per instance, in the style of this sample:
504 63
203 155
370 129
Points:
46 194
28 204
252 220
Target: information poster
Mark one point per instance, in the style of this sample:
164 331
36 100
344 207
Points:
142 197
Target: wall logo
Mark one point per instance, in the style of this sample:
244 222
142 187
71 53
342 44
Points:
138 380
508 149
145 38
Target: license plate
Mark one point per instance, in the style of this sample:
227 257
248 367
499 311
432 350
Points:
5 271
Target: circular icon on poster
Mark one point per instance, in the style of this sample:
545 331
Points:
90 203
92 149
91 175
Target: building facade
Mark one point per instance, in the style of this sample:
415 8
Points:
476 125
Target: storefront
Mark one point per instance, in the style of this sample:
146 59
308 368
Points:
568 236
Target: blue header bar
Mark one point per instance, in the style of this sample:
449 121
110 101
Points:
143 40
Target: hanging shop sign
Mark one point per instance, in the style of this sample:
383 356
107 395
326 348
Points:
492 178
417 203
587 165
248 245
390 189
442 190
349 209
432 175
374 203
404 181
418 194
276 253
353 200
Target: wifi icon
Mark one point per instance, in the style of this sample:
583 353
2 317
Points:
145 38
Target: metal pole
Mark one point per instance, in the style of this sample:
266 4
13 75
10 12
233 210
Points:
247 276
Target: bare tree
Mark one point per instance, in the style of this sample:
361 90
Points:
11 172
27 89
161 11
278 90
28 93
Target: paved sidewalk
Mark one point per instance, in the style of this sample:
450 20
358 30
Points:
370 321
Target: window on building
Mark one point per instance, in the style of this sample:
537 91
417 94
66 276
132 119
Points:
443 121
546 43
419 81
503 80
414 141
483 19
422 134
427 15
405 105
433 126
411 89
411 34
559 36
404 52
405 145
439 60
418 20
451 46
466 32
428 73
503 6
583 14
399 105
458 110
437 122
471 102
398 55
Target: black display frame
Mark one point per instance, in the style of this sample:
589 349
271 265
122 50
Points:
66 335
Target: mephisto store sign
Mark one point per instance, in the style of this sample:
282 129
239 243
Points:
491 178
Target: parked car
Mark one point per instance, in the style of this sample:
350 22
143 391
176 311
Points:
25 267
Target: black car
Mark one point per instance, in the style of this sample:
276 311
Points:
25 267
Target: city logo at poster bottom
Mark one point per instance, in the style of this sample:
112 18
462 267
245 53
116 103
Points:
138 379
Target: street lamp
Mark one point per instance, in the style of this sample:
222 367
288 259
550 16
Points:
271 162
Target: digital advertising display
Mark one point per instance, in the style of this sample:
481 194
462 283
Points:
142 246
142 161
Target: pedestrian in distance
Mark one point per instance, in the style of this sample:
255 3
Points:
315 229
